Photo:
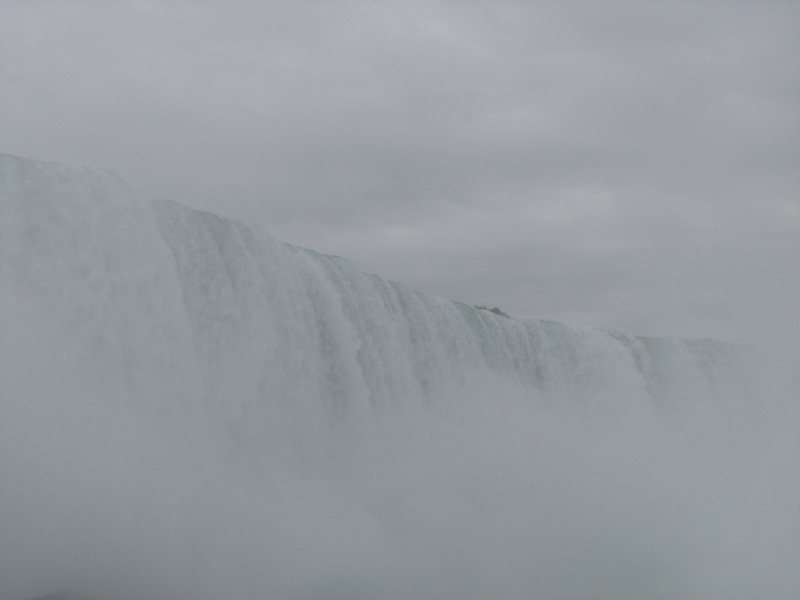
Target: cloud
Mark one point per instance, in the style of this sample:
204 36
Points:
603 163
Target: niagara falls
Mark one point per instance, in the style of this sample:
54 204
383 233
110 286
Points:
399 300
193 409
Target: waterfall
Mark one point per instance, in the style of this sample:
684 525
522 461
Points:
192 408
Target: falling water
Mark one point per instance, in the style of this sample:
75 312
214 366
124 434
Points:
192 409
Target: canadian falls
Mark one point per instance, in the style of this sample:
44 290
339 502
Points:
191 409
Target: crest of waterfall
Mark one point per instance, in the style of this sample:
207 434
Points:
200 315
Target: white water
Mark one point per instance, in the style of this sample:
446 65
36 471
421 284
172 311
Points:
191 409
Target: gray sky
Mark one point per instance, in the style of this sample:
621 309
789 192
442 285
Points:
631 164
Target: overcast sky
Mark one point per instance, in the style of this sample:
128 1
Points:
630 164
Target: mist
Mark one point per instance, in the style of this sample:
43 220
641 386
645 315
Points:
500 499
296 465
